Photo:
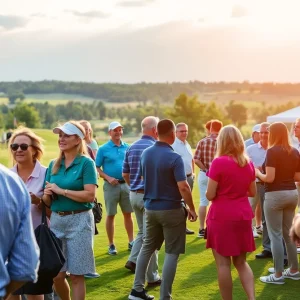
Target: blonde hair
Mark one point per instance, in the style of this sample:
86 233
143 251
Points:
88 133
81 148
279 135
36 141
230 142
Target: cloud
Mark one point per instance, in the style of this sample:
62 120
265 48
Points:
92 14
10 22
238 11
134 3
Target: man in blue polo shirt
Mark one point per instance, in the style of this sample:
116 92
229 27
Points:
165 217
131 174
109 163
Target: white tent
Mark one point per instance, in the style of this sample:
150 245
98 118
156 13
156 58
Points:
288 116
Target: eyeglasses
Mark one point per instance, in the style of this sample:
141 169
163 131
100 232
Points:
15 147
182 131
264 132
296 127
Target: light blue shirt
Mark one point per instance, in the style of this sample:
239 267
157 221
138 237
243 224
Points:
110 158
185 151
249 142
19 253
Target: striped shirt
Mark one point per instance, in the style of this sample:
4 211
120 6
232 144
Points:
206 150
19 253
132 159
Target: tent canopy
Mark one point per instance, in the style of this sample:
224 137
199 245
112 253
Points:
288 116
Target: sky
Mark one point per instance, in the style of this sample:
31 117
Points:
131 41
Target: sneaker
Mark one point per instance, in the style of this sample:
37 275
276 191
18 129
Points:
298 250
201 233
130 245
255 235
287 274
112 250
135 295
154 283
130 266
91 275
272 279
259 229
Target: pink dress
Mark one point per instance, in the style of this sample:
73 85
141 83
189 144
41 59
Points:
229 220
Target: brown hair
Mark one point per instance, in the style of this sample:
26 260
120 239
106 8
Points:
36 141
81 148
207 125
230 142
279 135
216 125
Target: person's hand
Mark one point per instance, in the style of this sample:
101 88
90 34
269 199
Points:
34 199
112 180
295 230
192 216
54 188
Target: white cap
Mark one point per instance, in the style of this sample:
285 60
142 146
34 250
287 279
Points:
114 125
256 128
70 129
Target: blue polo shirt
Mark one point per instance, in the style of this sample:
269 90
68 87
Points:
81 171
110 158
132 163
162 168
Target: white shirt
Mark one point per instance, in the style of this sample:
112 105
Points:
257 154
185 151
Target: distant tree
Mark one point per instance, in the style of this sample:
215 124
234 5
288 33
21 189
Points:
237 112
190 111
26 114
13 96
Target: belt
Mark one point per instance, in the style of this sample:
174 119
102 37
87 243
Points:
138 191
259 182
202 171
189 175
120 181
70 212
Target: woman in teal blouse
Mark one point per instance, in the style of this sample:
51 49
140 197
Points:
70 189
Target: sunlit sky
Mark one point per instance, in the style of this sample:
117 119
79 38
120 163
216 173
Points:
150 40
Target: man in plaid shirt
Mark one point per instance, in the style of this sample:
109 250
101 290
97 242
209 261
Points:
205 152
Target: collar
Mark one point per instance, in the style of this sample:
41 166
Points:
163 144
213 135
112 144
148 137
76 161
35 172
177 140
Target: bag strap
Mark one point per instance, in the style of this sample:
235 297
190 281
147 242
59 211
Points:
44 218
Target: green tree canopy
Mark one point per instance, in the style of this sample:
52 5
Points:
24 113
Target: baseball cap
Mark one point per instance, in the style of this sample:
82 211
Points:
114 125
256 128
70 129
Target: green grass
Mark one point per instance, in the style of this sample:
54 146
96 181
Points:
196 276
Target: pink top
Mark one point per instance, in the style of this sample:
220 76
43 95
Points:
35 185
231 202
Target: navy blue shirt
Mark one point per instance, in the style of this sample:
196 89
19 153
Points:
162 168
132 163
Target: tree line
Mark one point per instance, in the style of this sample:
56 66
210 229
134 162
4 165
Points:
140 92
183 109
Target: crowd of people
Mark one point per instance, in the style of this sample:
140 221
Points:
250 187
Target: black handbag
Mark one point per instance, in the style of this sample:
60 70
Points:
97 211
51 256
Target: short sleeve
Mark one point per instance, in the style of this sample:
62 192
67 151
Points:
271 158
99 158
179 172
48 173
126 167
89 172
215 170
94 145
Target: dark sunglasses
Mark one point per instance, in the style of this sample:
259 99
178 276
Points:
15 147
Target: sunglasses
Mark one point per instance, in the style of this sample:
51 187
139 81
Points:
15 147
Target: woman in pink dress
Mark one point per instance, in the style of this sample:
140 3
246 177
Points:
229 228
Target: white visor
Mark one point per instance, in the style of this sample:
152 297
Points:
70 129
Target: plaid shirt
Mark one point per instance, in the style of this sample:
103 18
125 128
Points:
206 150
